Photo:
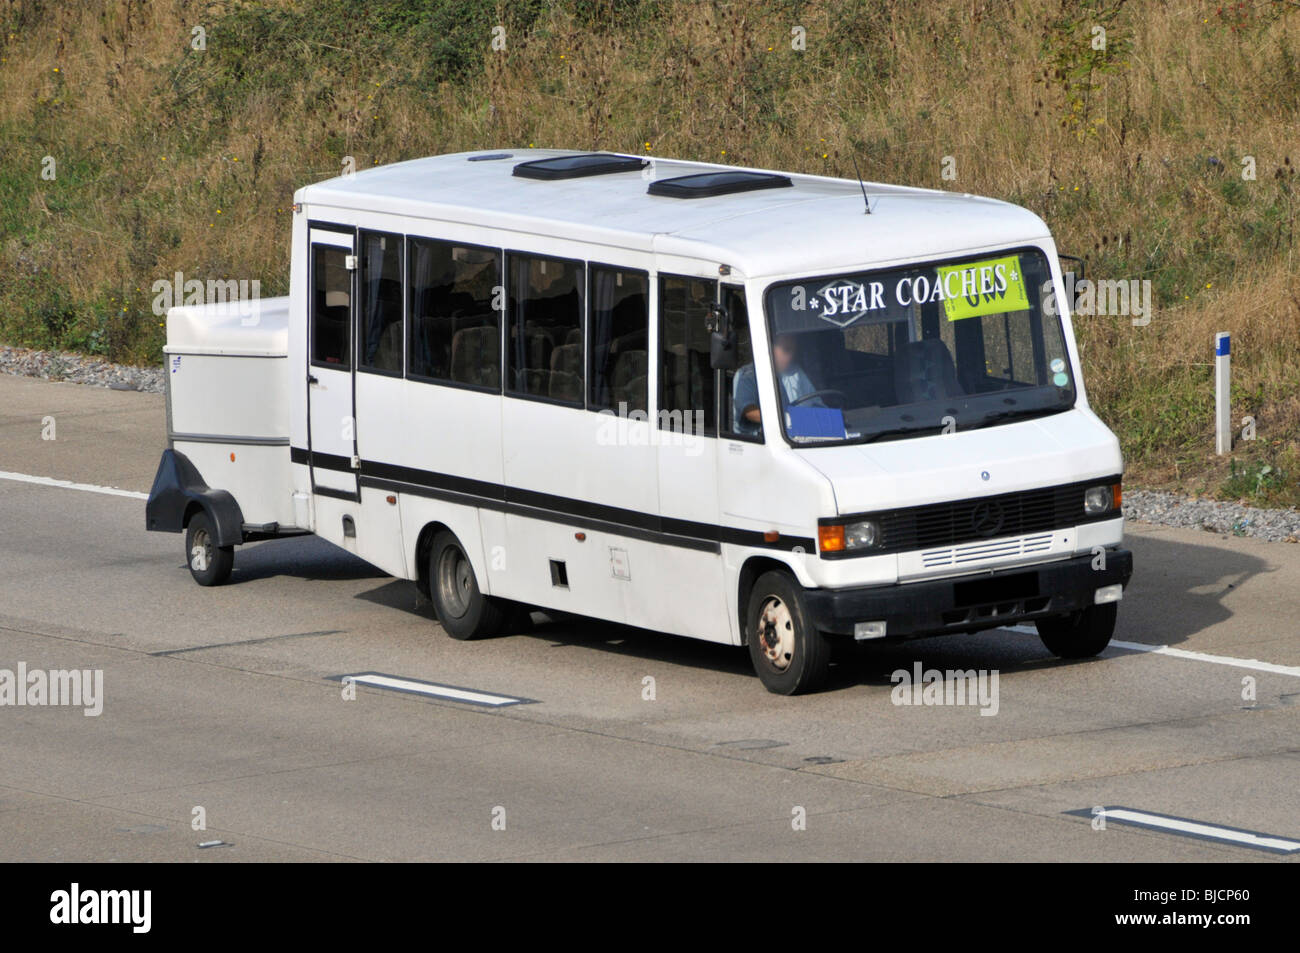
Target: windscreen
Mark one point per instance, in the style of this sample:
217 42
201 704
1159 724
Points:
941 347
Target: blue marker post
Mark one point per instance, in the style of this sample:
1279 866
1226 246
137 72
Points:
1222 394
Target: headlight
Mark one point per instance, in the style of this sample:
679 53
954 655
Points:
838 537
863 535
1101 499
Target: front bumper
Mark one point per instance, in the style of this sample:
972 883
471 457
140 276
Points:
969 603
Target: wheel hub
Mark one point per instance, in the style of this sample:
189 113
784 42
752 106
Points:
455 581
199 552
776 633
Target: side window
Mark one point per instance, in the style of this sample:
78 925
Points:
454 330
381 303
544 328
740 418
619 321
686 381
331 300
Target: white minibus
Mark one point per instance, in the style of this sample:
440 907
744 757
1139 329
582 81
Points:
768 410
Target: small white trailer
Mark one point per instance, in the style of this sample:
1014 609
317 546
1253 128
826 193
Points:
744 406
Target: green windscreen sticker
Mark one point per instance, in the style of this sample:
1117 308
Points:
991 286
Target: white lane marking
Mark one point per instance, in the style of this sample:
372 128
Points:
1196 829
1255 664
430 688
69 485
1206 657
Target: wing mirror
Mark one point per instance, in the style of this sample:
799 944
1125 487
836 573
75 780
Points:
722 339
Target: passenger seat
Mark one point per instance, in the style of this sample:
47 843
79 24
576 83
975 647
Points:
923 370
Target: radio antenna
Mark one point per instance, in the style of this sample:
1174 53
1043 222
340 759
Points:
862 185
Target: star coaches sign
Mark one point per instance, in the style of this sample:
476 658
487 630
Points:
956 290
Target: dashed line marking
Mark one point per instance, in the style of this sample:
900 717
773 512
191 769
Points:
415 686
1255 664
1184 827
69 485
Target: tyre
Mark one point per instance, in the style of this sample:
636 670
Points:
790 656
1080 634
210 564
462 608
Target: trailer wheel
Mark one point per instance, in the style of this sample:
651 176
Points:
1080 634
462 608
790 656
210 564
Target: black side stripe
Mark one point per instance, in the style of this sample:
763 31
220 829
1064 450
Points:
635 524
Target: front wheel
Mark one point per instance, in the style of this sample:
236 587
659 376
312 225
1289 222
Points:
790 656
1080 634
210 564
461 606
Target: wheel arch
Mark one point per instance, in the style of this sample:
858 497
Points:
179 491
752 568
423 544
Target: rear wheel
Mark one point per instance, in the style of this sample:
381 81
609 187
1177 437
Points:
462 608
1081 634
210 564
790 656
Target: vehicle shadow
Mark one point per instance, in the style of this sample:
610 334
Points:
565 630
303 557
1176 592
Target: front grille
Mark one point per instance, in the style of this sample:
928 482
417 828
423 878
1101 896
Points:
983 551
1024 513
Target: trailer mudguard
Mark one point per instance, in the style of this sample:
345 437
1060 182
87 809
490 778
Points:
176 486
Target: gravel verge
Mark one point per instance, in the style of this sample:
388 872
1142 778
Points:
79 369
1216 516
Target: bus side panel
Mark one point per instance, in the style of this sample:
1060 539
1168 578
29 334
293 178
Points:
586 586
677 590
376 524
585 468
608 576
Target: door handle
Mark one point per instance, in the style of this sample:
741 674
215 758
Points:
311 379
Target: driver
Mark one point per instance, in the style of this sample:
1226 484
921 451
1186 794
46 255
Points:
794 384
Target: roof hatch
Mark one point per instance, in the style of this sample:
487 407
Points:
704 184
573 167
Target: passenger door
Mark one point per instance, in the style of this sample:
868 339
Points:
331 360
687 429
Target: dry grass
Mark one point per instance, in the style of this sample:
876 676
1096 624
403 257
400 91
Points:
172 159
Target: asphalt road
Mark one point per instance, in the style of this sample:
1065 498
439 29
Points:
228 700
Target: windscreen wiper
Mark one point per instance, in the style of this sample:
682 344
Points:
1024 413
898 432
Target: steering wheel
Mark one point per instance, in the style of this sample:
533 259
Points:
837 394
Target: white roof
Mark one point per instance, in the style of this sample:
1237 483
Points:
258 328
818 225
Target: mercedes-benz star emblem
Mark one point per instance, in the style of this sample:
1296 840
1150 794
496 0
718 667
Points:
986 519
